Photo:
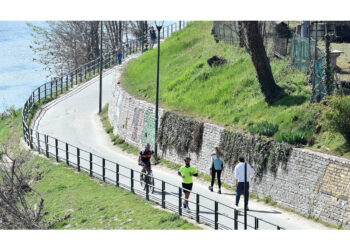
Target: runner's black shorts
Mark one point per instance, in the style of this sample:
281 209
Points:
187 186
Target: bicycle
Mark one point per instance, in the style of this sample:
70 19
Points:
147 178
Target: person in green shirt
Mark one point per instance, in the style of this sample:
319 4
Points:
186 173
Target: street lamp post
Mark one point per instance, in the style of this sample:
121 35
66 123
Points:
101 69
159 27
245 193
142 35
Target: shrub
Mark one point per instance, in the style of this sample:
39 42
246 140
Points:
264 128
267 199
336 116
290 137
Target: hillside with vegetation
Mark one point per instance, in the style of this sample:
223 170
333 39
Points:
229 94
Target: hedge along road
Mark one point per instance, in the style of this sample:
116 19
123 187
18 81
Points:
73 118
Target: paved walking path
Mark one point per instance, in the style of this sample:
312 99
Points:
73 118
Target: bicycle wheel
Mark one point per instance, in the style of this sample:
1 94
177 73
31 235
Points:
151 182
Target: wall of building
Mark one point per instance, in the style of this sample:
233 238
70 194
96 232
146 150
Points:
312 183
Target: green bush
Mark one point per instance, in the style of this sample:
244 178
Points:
290 137
264 128
336 115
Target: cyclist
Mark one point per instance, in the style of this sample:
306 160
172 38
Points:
186 173
145 158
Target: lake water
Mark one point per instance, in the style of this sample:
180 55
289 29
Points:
19 75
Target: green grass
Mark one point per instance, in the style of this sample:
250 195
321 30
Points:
11 125
228 95
96 205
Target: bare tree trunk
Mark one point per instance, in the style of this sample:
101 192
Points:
240 34
120 32
269 88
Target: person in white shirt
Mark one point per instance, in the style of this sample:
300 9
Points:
216 167
239 178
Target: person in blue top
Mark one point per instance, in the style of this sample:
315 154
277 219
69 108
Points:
216 168
120 50
153 36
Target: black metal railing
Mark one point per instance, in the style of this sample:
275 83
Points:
169 195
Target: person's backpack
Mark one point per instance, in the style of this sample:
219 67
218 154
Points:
217 163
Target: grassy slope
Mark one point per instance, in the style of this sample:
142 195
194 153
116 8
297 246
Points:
91 204
11 126
229 95
96 205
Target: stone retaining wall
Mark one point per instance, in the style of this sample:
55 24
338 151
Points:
312 183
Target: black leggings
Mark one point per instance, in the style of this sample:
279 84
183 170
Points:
213 172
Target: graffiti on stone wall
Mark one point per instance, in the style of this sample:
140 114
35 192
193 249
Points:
118 109
136 125
210 145
148 130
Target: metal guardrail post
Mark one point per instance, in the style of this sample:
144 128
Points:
90 164
180 201
56 92
103 169
67 154
132 180
163 194
67 82
78 159
93 68
39 94
45 91
278 228
147 186
197 208
256 226
37 137
76 77
56 148
61 85
47 146
236 219
31 138
85 71
51 89
117 175
216 215
81 74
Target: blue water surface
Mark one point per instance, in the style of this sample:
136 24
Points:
19 75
